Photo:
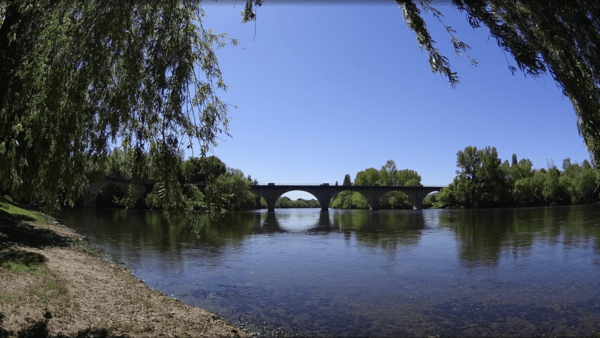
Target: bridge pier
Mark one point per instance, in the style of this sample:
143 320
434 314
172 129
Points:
89 199
373 197
374 202
271 200
417 198
324 198
324 205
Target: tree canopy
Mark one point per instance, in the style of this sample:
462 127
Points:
484 181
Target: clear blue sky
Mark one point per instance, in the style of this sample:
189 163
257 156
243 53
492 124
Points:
323 91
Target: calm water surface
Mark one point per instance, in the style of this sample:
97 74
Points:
510 272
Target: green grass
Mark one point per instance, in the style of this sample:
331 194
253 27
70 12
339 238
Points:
4 298
23 262
52 284
43 297
22 268
13 211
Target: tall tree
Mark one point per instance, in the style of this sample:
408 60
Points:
554 191
480 180
388 173
492 186
468 161
369 176
347 180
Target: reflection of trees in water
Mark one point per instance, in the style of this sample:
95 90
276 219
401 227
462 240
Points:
484 234
165 235
136 231
126 234
385 229
231 229
481 233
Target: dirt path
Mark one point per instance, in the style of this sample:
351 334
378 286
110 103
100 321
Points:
45 271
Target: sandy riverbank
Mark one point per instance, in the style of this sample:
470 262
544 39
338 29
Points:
50 281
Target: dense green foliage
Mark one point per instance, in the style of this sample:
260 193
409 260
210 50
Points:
388 175
483 180
349 199
209 185
205 184
78 79
230 191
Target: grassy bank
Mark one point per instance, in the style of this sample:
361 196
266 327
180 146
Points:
53 285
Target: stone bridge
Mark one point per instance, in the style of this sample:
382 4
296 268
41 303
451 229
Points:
325 193
271 192
96 185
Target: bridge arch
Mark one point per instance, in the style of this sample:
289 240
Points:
427 199
395 199
108 192
272 195
96 186
303 199
347 198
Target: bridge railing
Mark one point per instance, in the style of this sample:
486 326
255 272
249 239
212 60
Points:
339 185
301 184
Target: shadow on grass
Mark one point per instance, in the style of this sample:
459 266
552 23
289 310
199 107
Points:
39 329
21 261
5 215
14 231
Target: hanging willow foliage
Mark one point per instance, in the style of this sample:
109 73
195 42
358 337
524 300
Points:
78 78
558 37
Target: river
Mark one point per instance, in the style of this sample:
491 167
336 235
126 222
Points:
509 272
